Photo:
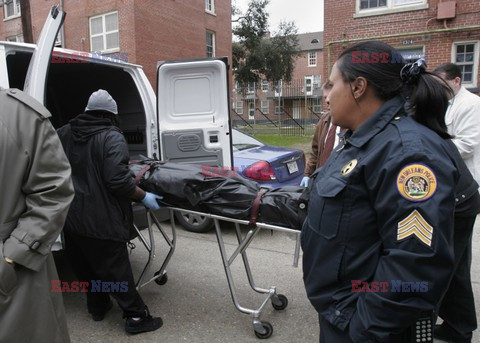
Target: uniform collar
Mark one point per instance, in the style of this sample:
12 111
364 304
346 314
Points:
373 125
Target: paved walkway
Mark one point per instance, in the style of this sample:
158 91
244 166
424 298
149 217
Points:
196 305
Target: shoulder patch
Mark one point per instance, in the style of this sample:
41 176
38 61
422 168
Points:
416 182
29 101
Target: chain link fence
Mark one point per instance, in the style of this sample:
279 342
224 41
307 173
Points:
284 108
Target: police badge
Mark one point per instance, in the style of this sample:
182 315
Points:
416 182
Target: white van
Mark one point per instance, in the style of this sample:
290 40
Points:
186 121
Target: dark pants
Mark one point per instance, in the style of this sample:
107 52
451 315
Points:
97 259
457 308
331 334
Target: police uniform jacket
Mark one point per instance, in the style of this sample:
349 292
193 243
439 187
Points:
381 209
36 190
98 153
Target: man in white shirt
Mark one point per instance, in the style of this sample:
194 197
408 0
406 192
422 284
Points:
463 118
463 122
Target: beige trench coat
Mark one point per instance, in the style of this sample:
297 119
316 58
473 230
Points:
35 193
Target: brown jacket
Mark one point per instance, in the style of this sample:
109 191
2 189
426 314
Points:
318 143
35 180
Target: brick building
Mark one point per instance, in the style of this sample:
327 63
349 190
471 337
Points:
294 103
140 31
442 31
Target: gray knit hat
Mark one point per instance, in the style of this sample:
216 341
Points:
101 101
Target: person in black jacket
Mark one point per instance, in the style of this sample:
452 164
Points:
100 219
457 308
377 240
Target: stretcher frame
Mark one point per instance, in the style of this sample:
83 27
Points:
262 329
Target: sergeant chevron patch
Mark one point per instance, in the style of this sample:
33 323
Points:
415 225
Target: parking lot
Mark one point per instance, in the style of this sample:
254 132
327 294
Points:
195 303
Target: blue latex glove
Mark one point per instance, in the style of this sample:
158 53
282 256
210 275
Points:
150 201
304 182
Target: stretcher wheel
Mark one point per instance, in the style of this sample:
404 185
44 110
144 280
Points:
279 302
162 279
268 330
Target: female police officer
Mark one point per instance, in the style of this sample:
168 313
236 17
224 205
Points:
377 238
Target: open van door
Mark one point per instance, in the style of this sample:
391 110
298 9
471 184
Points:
36 79
193 112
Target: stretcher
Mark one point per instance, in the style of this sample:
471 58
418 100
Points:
262 329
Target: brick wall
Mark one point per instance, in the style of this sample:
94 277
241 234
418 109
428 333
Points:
149 30
340 24
302 69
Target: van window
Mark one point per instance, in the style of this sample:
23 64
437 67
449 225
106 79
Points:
17 66
70 83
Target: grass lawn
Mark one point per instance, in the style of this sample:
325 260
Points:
295 142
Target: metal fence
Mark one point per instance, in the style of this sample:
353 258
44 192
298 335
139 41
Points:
284 108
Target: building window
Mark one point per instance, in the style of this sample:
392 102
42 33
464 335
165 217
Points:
375 7
278 85
278 109
312 58
308 85
17 38
251 87
466 56
11 8
210 6
366 4
239 107
210 44
104 35
264 85
265 104
317 105
411 54
251 110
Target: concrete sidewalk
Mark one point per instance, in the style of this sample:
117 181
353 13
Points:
195 303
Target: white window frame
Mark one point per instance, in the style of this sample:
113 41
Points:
251 110
104 32
16 9
312 58
309 85
278 108
265 106
391 7
476 57
250 87
16 38
264 86
213 43
210 6
278 88
239 107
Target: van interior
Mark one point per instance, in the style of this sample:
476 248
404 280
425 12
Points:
69 86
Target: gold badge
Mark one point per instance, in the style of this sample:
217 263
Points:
415 225
416 182
349 167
